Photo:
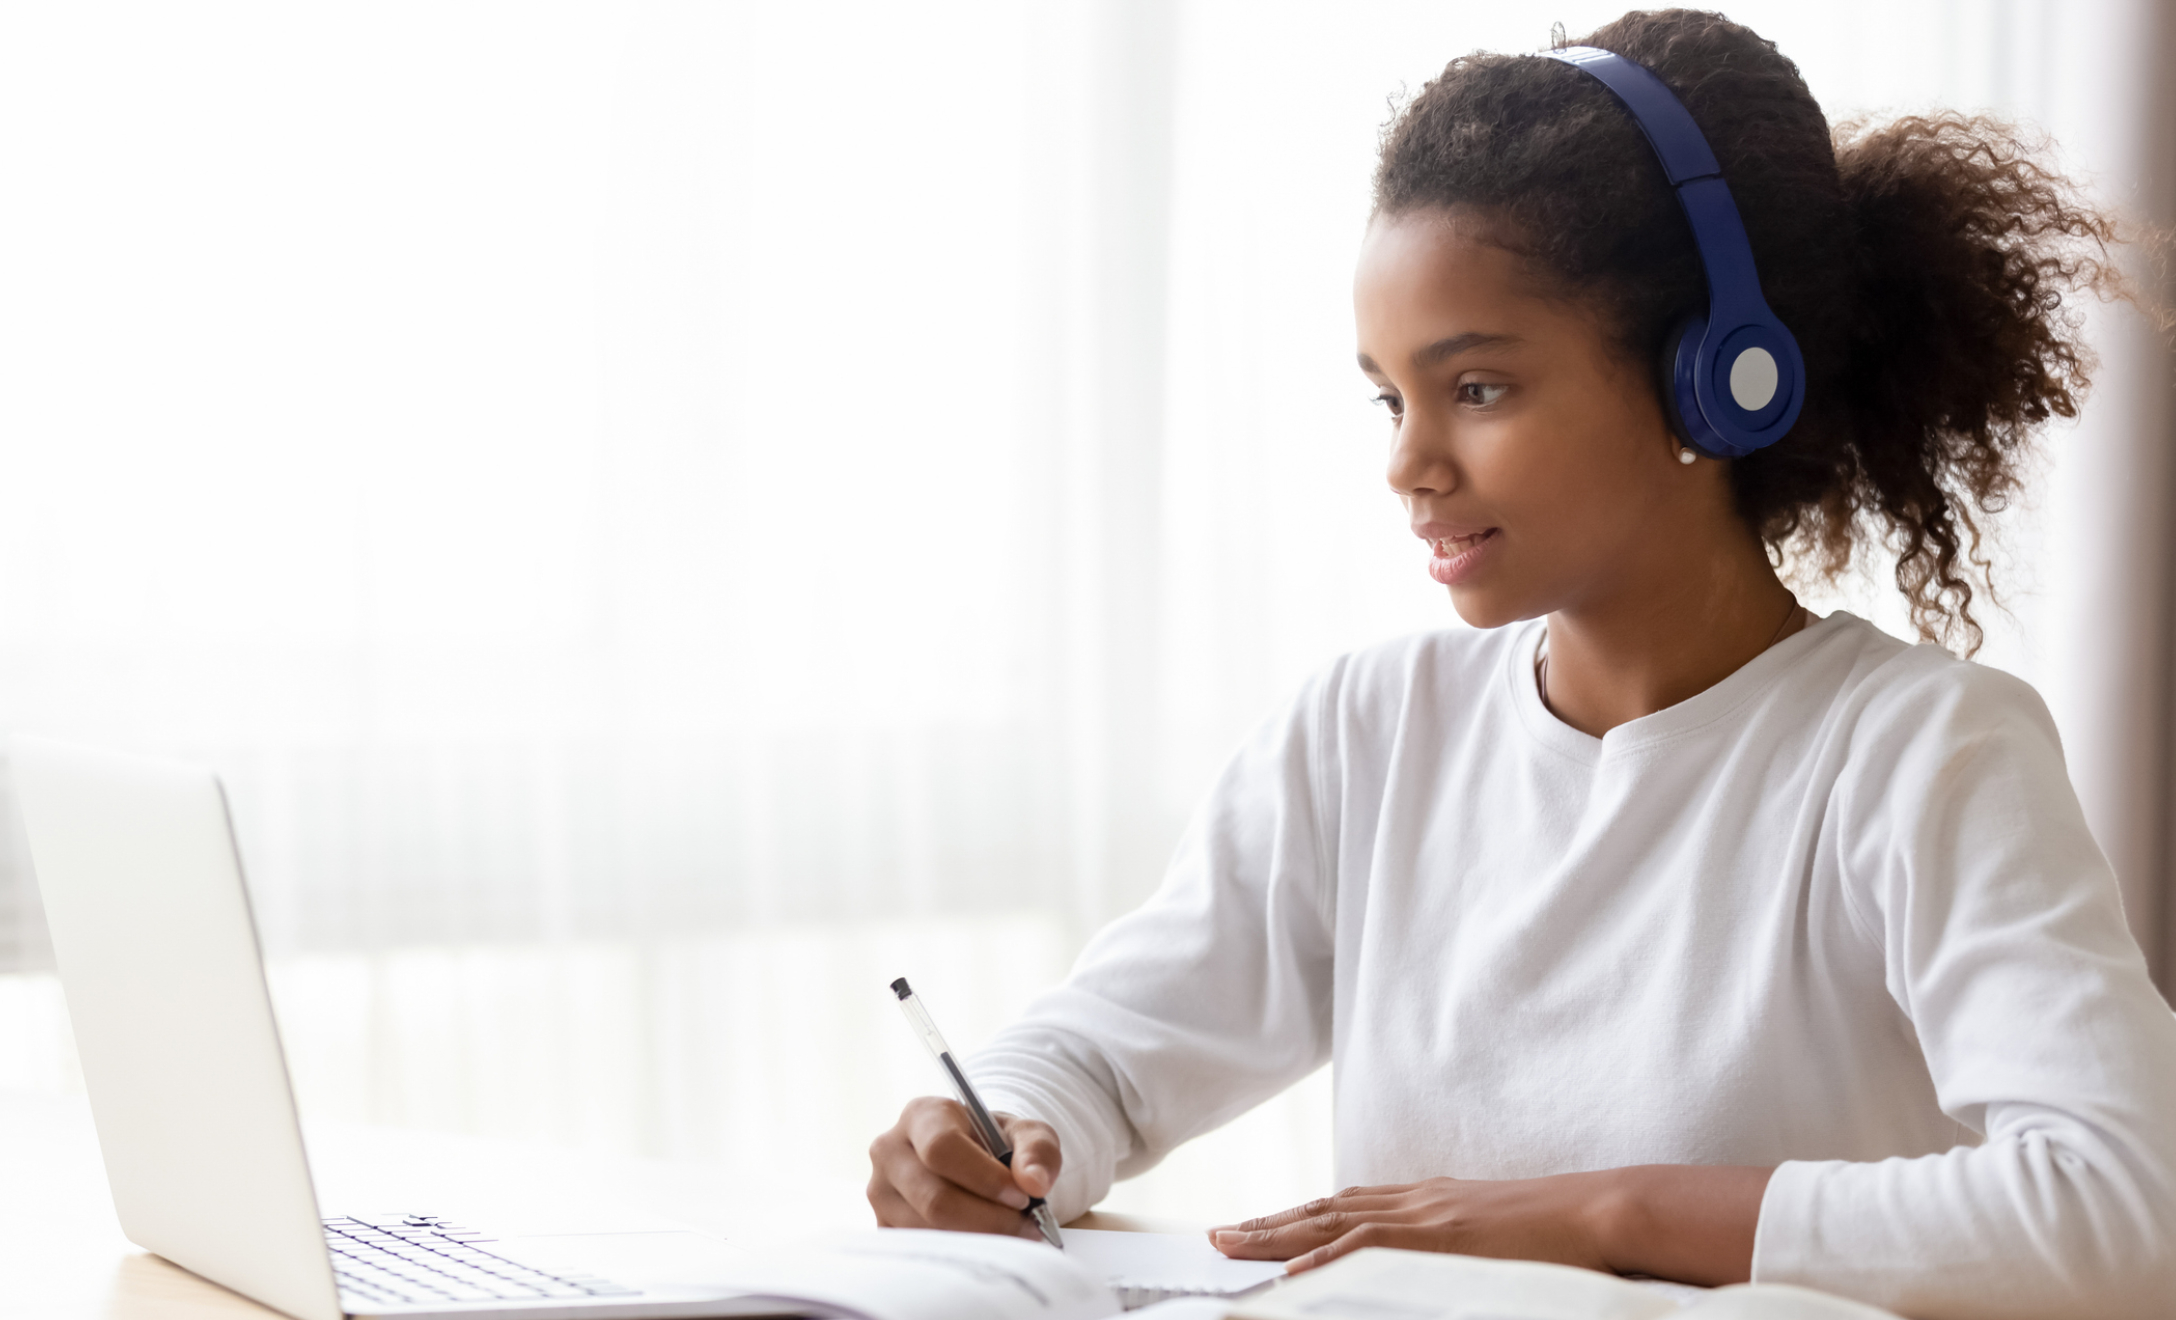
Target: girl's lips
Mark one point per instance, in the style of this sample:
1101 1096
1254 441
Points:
1453 560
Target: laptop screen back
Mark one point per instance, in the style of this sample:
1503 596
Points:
165 985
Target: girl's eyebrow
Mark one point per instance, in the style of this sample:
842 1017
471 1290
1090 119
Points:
1457 344
1448 348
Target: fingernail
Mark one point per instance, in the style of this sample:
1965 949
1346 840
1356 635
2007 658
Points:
1226 1237
1014 1197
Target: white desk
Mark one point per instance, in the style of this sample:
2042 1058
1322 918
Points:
62 1256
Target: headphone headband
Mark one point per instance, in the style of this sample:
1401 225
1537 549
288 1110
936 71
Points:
1736 380
1663 119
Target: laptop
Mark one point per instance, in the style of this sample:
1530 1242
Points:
188 1084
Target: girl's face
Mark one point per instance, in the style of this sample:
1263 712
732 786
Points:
1535 461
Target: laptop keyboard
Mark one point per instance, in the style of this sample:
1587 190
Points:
419 1259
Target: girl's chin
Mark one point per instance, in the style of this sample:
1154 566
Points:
1482 608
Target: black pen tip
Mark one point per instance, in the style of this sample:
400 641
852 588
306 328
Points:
899 988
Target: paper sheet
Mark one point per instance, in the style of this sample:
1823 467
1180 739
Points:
914 1274
1377 1283
1170 1263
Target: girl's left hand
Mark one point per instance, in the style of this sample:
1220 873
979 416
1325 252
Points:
1692 1223
1553 1219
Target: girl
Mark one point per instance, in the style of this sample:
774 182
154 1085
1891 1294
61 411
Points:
1656 925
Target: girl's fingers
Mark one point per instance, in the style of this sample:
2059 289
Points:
1376 1233
1280 1243
945 1144
1302 1228
1035 1157
1282 1217
930 1170
1350 1199
941 1203
892 1210
1300 1236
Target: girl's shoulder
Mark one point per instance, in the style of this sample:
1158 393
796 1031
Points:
1891 704
1912 682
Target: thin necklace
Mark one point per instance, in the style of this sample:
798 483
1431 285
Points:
1541 662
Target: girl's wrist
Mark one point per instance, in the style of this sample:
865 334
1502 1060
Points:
1613 1219
1690 1223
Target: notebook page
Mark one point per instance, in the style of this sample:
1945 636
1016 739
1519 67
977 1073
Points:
1379 1283
1185 1308
1780 1301
919 1274
1148 1267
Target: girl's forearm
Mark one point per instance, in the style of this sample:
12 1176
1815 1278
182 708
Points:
1688 1222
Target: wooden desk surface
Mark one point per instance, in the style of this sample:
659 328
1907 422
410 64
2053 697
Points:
65 1257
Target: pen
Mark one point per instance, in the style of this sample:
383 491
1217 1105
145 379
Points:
992 1135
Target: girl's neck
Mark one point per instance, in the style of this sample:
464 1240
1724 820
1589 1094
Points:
1614 660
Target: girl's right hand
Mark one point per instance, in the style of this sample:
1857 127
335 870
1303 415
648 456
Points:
930 1171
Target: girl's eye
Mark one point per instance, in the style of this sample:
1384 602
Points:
1479 394
1392 402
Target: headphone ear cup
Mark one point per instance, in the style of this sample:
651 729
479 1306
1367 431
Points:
1666 382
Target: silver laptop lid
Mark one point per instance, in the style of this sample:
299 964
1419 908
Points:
158 956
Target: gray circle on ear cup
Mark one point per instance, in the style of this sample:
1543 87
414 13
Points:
1753 379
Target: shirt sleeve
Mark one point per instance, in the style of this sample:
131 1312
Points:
1966 858
1208 999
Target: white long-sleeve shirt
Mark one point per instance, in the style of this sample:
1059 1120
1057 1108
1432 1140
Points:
1838 914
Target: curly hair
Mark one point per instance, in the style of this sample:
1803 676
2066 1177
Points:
1922 264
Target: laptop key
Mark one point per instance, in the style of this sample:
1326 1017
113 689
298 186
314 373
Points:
423 1258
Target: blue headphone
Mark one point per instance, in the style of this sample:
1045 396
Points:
1733 379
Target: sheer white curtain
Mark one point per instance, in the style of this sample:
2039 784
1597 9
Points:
669 516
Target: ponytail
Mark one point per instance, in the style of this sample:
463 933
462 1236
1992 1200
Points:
1966 248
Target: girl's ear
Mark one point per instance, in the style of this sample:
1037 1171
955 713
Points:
1665 386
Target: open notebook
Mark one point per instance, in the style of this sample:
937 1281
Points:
1379 1283
916 1274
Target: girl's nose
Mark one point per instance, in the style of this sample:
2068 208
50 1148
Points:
1419 460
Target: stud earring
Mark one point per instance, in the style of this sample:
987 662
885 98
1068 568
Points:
1686 456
